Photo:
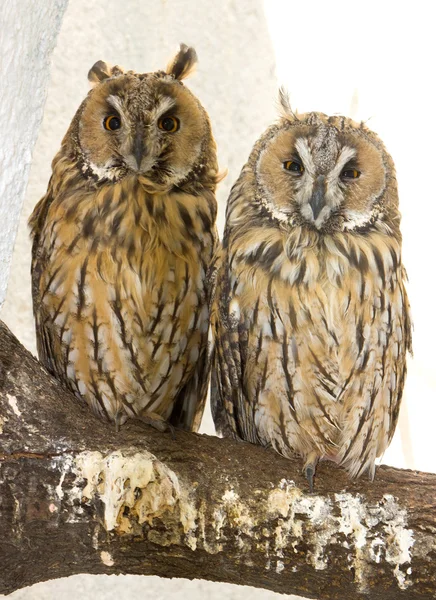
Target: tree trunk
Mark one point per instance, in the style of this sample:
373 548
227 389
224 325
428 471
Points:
77 497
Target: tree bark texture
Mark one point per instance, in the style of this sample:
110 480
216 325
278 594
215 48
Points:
78 497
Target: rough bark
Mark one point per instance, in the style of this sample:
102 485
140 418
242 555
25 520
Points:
77 497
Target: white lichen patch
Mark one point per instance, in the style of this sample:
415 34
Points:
3 421
280 566
13 404
67 464
235 513
231 513
372 532
106 558
302 516
283 526
401 541
352 524
138 482
188 519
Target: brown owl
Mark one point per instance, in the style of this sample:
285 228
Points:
122 243
311 317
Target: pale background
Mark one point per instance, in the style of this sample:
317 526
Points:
369 60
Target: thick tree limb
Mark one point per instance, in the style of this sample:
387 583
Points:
76 497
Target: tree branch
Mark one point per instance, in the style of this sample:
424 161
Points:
77 497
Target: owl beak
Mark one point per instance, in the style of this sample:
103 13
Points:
138 147
317 201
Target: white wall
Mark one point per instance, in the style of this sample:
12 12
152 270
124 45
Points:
27 38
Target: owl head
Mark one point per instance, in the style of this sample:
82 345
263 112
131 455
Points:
324 173
147 125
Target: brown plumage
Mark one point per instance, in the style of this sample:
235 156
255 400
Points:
311 318
122 243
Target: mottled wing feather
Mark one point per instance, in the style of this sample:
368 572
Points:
231 409
44 338
372 395
189 404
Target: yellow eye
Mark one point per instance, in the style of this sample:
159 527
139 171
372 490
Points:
350 174
169 124
112 122
295 167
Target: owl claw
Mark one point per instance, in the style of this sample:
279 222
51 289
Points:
310 472
309 469
157 423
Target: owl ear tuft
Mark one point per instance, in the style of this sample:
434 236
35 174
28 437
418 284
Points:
102 70
285 105
183 64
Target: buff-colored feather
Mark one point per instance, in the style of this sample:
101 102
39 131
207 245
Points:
122 244
311 317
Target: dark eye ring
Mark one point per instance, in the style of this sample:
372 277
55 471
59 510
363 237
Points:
111 123
169 124
295 167
350 174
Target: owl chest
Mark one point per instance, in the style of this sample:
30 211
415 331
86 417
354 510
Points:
315 295
130 320
318 309
143 293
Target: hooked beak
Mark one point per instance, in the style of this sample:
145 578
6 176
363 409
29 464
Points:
138 149
317 201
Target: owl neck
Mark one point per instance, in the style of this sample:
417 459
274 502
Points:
306 257
126 214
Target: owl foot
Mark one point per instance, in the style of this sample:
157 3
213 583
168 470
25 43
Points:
310 468
157 422
310 472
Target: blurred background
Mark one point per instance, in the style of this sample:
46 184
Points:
372 61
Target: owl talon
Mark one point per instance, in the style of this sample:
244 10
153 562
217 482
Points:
309 469
157 422
310 472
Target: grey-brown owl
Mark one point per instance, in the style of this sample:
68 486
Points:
122 243
311 318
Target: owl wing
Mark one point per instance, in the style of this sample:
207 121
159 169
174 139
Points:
230 407
372 394
44 339
189 404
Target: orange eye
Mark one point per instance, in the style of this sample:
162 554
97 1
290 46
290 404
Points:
169 124
350 174
112 122
295 167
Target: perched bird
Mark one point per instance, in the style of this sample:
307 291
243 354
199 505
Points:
122 243
311 317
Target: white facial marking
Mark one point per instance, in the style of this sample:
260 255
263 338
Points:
356 219
164 106
303 149
105 171
147 163
345 155
118 106
333 192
